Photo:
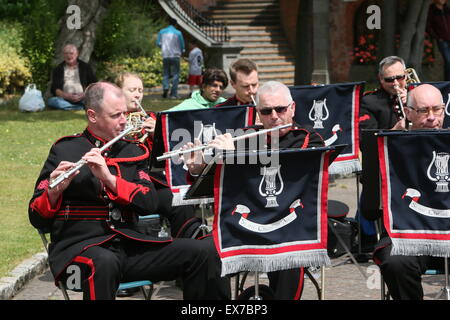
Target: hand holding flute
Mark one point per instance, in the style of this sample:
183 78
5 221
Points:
72 169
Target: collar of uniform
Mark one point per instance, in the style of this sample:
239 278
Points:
95 140
239 102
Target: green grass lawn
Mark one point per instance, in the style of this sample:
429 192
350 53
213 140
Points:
25 139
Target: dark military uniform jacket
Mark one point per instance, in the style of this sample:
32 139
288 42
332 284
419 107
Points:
233 101
88 213
379 110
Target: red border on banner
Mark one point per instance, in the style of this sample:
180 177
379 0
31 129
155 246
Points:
385 197
322 244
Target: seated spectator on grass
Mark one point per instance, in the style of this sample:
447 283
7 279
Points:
69 80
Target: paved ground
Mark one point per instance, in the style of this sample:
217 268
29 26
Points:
343 279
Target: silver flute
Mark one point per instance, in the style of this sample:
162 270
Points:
180 152
65 175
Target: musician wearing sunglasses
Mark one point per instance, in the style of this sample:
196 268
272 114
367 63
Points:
275 107
381 109
92 214
402 274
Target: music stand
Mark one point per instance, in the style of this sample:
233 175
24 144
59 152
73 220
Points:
370 177
158 145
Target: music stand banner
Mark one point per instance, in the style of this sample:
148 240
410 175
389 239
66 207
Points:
272 217
415 191
333 111
444 87
181 127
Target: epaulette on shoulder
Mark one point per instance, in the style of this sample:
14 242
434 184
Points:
305 127
76 135
370 92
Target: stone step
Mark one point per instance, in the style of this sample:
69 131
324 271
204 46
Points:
251 22
250 10
258 53
273 60
276 76
245 15
254 28
255 24
277 70
265 47
257 40
255 33
274 64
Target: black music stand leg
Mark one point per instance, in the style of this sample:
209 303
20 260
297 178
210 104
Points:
204 226
445 291
256 296
360 257
347 250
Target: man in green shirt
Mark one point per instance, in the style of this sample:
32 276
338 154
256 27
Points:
214 82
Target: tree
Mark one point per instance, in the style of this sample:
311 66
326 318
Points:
304 43
79 26
412 33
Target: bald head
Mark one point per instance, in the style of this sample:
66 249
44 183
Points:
423 92
425 107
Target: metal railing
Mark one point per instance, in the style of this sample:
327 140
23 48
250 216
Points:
208 27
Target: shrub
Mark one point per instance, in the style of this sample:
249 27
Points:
14 69
40 31
129 29
148 68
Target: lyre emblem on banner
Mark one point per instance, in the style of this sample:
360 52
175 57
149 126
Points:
319 113
270 191
207 133
441 174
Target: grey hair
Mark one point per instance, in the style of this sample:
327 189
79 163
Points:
272 87
95 92
389 61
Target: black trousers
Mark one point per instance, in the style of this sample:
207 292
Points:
182 219
122 260
403 274
287 284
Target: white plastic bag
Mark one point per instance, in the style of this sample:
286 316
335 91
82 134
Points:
32 99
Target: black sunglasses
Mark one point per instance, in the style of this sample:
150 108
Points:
393 78
279 109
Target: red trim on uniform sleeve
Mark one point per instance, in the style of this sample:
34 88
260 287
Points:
143 175
126 191
364 117
306 142
42 206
